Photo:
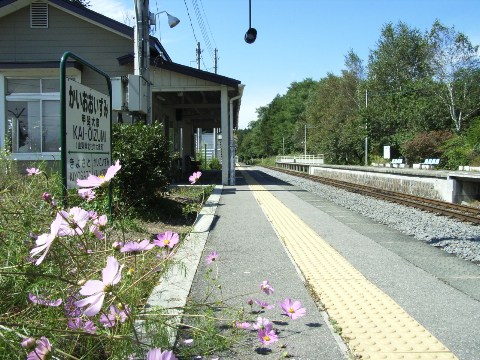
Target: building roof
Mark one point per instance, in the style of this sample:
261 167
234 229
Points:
10 6
184 70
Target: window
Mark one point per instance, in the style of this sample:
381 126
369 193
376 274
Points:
33 115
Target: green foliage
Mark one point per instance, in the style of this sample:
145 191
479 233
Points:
334 127
277 130
463 149
414 83
214 164
71 260
456 66
425 146
472 135
145 159
456 152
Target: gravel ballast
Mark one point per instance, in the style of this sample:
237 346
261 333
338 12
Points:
455 237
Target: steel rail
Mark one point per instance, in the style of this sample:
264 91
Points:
455 211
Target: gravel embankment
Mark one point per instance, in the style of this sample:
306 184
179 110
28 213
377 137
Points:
453 236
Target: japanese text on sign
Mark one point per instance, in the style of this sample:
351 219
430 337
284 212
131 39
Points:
88 132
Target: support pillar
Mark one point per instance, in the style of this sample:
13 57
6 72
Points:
225 134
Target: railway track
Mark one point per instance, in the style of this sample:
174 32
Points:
455 211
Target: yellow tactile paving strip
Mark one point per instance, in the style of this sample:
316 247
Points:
375 326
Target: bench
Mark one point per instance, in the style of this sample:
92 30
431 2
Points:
429 164
397 163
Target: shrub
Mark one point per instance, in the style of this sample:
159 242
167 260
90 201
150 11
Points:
455 152
144 155
425 145
214 164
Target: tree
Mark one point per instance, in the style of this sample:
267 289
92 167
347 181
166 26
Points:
456 64
83 3
399 88
336 127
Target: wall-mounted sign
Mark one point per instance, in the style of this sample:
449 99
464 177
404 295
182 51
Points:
87 132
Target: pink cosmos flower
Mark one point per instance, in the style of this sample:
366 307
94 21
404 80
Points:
267 336
44 241
99 225
93 181
100 221
262 323
168 238
293 309
96 232
242 325
39 300
136 247
96 289
28 343
42 351
157 354
87 194
266 287
92 214
194 177
78 325
73 222
33 171
213 256
264 304
47 197
114 317
70 309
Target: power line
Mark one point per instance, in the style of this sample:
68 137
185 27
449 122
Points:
193 29
191 24
208 25
203 29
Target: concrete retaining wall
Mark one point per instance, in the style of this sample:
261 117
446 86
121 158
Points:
429 187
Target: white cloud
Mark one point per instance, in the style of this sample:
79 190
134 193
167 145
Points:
118 10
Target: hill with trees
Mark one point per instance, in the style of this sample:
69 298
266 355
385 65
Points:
419 93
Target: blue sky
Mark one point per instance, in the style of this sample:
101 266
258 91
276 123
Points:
297 39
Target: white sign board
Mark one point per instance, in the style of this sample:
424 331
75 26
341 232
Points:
386 152
87 132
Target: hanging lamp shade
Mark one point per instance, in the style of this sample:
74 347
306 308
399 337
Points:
250 35
172 20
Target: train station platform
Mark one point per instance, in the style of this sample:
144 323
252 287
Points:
451 186
364 297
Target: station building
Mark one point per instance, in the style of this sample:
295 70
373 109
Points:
34 34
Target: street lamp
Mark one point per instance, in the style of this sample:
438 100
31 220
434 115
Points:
172 20
251 34
143 20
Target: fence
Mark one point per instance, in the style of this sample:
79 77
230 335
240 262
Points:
301 159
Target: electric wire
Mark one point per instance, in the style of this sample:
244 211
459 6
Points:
208 25
193 29
202 27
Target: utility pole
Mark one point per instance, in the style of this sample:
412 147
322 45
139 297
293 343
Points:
142 48
215 64
199 52
305 141
366 129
